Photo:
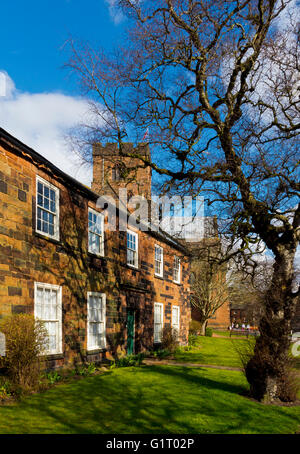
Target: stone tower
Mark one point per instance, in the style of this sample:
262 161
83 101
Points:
111 171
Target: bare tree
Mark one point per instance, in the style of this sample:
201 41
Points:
216 83
209 289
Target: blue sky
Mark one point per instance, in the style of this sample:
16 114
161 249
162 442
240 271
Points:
39 102
33 32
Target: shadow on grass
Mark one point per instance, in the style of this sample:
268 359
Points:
151 399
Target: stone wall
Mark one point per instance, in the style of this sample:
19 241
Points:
27 257
132 173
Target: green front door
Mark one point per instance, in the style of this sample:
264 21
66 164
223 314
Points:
130 332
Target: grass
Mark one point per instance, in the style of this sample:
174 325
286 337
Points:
222 333
213 350
158 399
155 399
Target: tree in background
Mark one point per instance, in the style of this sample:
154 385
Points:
217 84
209 289
246 294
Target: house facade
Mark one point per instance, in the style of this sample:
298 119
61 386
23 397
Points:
100 290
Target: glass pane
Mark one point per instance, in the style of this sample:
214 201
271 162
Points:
47 304
40 199
46 191
45 227
40 188
54 305
52 207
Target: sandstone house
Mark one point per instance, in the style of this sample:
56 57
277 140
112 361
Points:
98 291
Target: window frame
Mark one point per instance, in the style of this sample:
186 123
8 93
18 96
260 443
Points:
175 326
97 213
161 305
161 274
95 347
177 281
56 234
136 235
58 288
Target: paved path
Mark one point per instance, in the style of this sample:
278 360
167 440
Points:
169 362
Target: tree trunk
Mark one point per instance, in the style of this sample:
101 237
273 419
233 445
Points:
268 370
203 328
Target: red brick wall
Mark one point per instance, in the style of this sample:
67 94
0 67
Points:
221 319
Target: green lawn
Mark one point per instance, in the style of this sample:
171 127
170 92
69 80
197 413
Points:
222 333
213 350
155 399
158 399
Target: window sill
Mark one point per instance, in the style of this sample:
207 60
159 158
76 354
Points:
159 277
177 283
53 356
47 238
96 350
132 267
98 256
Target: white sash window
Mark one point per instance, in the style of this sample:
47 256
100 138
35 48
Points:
176 270
47 209
96 329
132 248
96 232
159 261
158 321
48 308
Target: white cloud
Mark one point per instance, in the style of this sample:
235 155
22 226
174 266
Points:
41 121
116 15
7 86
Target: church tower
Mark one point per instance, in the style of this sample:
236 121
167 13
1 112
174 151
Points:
111 171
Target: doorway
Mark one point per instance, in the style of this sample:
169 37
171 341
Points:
130 331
